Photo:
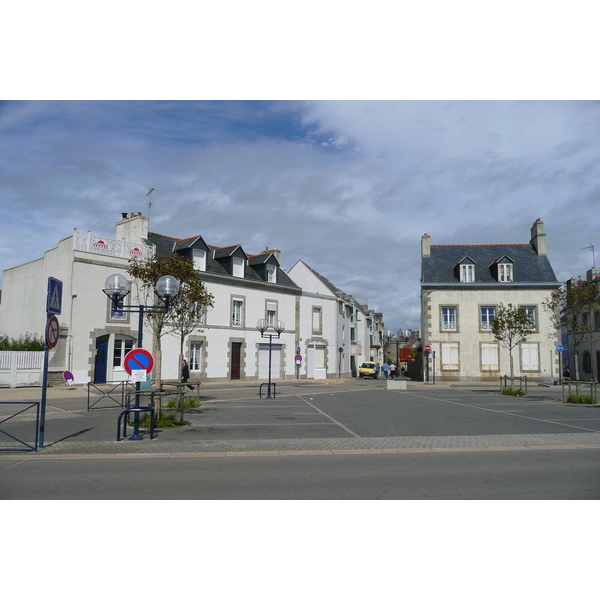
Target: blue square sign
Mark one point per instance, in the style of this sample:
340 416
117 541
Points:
54 297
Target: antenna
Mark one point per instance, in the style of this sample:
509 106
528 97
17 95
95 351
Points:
591 247
149 195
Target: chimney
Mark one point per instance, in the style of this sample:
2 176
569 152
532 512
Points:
132 229
274 251
538 238
593 275
426 246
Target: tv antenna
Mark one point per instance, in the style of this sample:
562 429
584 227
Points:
591 247
149 195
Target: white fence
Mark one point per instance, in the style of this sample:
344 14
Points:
18 369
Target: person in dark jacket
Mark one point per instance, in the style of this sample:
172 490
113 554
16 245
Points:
185 374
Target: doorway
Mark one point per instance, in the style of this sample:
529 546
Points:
101 359
236 360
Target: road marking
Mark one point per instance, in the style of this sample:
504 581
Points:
330 418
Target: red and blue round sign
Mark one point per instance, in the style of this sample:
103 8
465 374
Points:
138 360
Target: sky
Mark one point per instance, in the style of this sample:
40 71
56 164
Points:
347 186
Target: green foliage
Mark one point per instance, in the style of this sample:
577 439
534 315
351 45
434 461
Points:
511 326
27 342
165 421
188 403
581 399
512 392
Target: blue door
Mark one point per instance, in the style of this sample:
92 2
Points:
101 362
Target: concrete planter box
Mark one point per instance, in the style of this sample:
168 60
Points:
396 384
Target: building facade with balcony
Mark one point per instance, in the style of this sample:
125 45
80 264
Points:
94 339
461 289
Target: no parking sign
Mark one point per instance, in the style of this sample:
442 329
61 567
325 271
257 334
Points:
138 360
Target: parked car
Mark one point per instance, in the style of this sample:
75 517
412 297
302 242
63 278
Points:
367 369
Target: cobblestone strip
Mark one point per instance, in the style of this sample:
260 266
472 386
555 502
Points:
320 445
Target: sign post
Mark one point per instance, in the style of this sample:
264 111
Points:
138 363
53 308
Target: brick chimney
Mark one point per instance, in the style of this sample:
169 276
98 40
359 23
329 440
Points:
132 229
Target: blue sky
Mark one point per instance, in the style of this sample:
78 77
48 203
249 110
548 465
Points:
347 186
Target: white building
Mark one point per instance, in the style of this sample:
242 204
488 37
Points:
461 289
94 339
331 320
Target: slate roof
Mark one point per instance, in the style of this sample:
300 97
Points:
166 246
528 267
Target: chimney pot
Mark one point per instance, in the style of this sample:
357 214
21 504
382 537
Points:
123 216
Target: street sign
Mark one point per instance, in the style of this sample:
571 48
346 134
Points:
340 349
52 332
428 348
298 358
138 359
54 296
559 348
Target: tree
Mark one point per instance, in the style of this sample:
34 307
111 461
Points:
511 326
572 309
193 296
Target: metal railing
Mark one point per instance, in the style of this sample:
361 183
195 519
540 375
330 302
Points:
4 406
593 386
522 383
114 391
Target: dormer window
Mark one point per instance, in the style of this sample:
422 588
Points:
199 258
272 273
467 273
505 272
502 269
238 267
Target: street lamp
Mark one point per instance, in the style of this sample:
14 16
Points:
117 288
262 325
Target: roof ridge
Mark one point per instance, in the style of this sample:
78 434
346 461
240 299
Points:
463 245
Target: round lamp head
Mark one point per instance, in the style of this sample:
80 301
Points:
262 325
279 327
167 287
117 286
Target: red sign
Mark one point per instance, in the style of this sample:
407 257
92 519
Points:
138 360
428 348
52 331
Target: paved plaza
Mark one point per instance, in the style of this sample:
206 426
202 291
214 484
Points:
337 416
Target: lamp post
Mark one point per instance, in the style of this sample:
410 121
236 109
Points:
117 288
278 327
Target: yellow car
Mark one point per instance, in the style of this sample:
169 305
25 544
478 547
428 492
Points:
367 369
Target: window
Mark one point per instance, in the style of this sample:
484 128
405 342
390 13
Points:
530 311
487 316
450 356
467 273
237 306
272 273
123 345
505 272
195 356
587 362
271 313
448 318
489 357
199 257
238 267
530 357
316 320
118 315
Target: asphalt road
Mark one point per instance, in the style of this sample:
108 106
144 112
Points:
451 475
354 440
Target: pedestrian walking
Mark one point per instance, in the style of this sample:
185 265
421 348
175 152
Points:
393 371
377 369
385 368
185 373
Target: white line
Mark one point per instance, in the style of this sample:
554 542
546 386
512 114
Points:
331 418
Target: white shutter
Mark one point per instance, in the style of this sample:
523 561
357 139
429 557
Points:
450 356
489 357
263 362
530 357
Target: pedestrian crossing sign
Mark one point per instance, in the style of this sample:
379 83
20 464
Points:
54 297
